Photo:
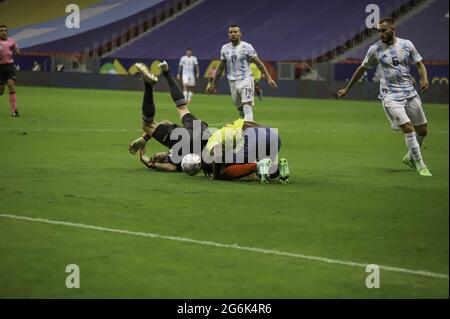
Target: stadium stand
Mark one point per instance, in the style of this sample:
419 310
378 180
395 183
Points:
12 11
297 40
429 38
112 22
280 30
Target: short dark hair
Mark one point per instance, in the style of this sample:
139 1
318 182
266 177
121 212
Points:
388 20
233 26
3 26
189 49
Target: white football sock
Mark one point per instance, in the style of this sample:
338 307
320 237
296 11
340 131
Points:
185 93
248 113
420 141
414 149
190 94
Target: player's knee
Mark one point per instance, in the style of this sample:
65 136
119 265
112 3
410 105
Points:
11 87
407 127
149 127
422 130
182 111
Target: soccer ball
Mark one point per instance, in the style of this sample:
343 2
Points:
191 164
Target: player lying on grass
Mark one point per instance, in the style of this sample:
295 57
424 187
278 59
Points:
218 172
161 131
248 142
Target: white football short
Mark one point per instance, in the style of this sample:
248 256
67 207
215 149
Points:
242 91
404 111
188 79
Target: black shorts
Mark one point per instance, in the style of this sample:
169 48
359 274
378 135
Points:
163 131
7 72
188 123
162 134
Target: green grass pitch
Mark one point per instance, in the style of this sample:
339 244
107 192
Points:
350 199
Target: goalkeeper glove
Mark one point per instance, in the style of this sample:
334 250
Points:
138 144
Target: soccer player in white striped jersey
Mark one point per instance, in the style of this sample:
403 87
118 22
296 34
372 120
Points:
393 56
236 57
188 71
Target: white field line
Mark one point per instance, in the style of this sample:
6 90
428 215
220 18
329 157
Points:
423 273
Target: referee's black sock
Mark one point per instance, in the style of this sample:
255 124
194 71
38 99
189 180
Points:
148 105
175 91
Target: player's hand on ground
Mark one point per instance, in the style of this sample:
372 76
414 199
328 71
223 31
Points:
145 159
272 83
342 93
424 85
136 145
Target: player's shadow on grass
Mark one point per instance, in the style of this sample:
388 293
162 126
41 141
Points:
398 170
389 169
255 181
200 176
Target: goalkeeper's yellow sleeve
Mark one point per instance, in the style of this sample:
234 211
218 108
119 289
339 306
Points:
229 135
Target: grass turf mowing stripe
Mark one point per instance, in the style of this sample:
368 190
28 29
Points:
233 246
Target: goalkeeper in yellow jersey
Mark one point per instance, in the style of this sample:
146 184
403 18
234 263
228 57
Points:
244 142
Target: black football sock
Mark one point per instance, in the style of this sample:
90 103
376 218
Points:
241 111
148 105
175 91
275 175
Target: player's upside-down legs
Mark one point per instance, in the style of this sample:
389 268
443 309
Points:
162 131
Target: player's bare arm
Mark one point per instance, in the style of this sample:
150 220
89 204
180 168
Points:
424 84
356 76
197 71
166 167
147 161
159 157
219 71
264 71
157 161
